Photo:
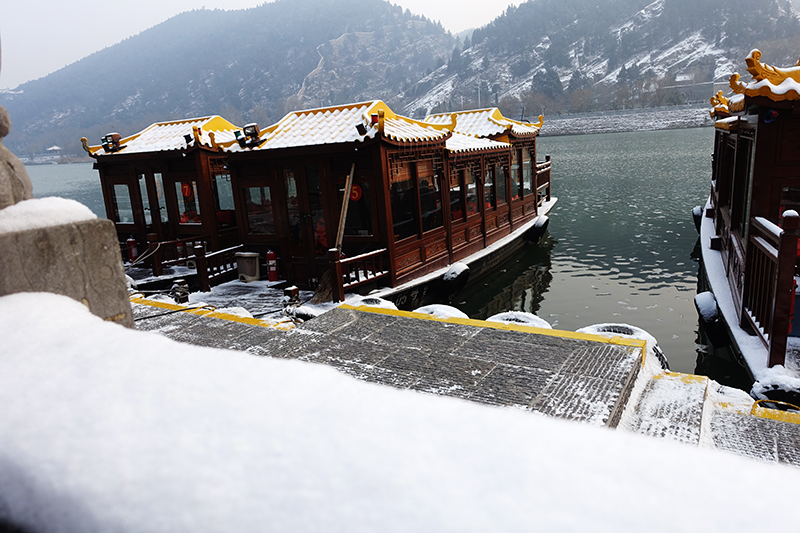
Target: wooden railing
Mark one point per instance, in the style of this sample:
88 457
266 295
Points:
349 273
216 267
769 282
543 179
172 253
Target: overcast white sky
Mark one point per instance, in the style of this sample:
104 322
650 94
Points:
41 36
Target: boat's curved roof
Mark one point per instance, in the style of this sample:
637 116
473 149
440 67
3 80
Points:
171 135
459 143
488 122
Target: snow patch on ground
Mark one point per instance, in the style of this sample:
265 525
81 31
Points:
110 429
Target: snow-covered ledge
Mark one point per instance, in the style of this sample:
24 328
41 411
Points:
752 349
59 246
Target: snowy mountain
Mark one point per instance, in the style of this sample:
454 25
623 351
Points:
579 55
546 56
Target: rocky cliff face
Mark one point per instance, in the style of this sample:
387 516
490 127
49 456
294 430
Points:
578 55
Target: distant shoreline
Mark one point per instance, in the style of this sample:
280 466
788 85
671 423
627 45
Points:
616 121
641 119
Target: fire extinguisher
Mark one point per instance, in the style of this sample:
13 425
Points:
133 251
272 265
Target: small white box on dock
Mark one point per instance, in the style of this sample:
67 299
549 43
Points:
248 266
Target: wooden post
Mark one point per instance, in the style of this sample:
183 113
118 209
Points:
155 251
784 289
345 204
337 288
202 268
549 170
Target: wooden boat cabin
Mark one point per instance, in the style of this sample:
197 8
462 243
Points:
755 197
423 194
170 181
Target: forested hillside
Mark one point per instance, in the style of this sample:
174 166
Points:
548 56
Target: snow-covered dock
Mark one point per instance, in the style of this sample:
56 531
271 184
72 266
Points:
603 381
105 428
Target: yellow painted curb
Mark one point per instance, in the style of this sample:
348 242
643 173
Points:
775 414
210 313
686 378
620 341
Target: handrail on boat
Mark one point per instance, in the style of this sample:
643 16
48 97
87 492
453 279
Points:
352 272
769 282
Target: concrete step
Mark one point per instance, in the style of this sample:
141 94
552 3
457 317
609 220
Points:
733 423
671 407
560 374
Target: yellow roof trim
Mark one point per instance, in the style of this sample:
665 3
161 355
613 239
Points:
389 114
211 123
766 79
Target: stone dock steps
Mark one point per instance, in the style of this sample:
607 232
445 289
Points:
695 410
560 374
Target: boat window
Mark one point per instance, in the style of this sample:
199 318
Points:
293 206
527 172
359 210
223 201
162 200
470 182
456 200
123 212
430 196
501 184
404 201
740 192
260 217
488 188
516 176
317 212
140 177
187 202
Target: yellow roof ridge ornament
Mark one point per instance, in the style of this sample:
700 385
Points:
719 99
766 79
719 105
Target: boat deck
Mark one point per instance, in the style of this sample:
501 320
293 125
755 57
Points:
555 373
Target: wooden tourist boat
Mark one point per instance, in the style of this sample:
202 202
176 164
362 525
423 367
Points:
418 195
749 224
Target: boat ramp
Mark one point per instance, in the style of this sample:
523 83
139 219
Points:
604 381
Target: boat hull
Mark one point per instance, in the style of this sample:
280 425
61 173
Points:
434 288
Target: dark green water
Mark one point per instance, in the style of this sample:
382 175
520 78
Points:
621 239
76 181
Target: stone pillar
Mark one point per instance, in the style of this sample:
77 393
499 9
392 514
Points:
78 257
15 185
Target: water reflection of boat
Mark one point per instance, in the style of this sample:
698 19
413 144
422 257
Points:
520 284
400 198
749 227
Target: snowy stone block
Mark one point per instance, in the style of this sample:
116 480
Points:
77 259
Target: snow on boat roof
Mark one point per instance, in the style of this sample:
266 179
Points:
485 123
775 83
460 143
339 124
165 136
